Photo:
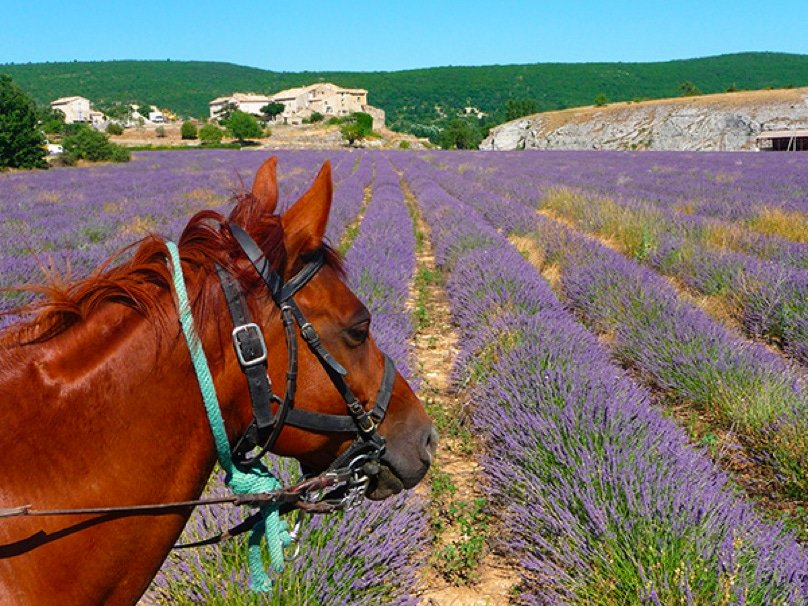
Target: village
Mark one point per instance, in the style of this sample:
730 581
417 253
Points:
297 117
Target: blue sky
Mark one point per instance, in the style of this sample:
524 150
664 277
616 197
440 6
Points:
342 35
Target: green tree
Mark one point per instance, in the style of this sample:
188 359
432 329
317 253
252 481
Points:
270 110
352 132
601 99
113 128
90 144
188 130
22 144
516 108
228 109
243 126
688 89
460 134
51 121
210 134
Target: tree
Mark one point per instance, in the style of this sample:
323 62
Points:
243 126
113 128
356 127
210 134
460 134
352 132
22 144
689 89
270 110
601 99
224 114
516 108
51 121
188 130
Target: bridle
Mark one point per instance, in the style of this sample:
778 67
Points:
246 475
353 469
364 454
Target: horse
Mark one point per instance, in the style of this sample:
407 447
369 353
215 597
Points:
99 403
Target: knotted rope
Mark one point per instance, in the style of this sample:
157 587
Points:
255 478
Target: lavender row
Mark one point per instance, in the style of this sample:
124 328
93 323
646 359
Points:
603 498
685 352
76 218
769 299
527 173
731 185
348 199
675 343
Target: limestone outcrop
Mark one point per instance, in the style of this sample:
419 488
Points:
725 122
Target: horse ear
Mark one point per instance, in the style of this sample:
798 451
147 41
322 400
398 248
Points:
263 198
265 185
304 223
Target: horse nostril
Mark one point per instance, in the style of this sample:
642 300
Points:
429 445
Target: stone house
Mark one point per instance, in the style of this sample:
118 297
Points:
299 103
77 109
250 103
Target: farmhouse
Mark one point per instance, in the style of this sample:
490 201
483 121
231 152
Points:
77 109
324 97
250 103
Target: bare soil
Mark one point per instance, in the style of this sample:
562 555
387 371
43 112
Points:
436 348
284 136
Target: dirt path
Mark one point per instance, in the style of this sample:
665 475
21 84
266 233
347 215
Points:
489 578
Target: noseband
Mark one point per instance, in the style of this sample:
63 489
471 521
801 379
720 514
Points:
368 447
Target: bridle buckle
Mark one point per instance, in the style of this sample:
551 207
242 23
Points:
244 329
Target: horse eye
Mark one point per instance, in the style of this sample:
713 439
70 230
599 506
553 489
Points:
358 333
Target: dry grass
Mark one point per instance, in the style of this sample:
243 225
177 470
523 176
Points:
777 222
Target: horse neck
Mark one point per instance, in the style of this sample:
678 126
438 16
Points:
117 394
107 413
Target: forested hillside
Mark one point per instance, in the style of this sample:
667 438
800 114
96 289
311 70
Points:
416 99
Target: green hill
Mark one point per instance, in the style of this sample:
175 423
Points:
413 97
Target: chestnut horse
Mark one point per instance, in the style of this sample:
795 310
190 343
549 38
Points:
100 405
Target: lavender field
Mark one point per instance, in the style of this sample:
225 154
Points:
633 344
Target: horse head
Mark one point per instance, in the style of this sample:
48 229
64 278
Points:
342 325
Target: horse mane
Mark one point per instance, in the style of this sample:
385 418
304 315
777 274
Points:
138 282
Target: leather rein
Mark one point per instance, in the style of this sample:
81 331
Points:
351 471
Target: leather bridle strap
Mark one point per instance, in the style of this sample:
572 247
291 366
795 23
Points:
251 351
362 422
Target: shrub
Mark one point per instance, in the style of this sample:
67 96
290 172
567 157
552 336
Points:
113 128
90 144
210 134
160 132
601 99
188 130
404 145
316 117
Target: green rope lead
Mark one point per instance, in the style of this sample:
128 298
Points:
242 480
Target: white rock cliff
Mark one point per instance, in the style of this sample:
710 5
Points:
725 122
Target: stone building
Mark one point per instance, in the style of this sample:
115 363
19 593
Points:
299 103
